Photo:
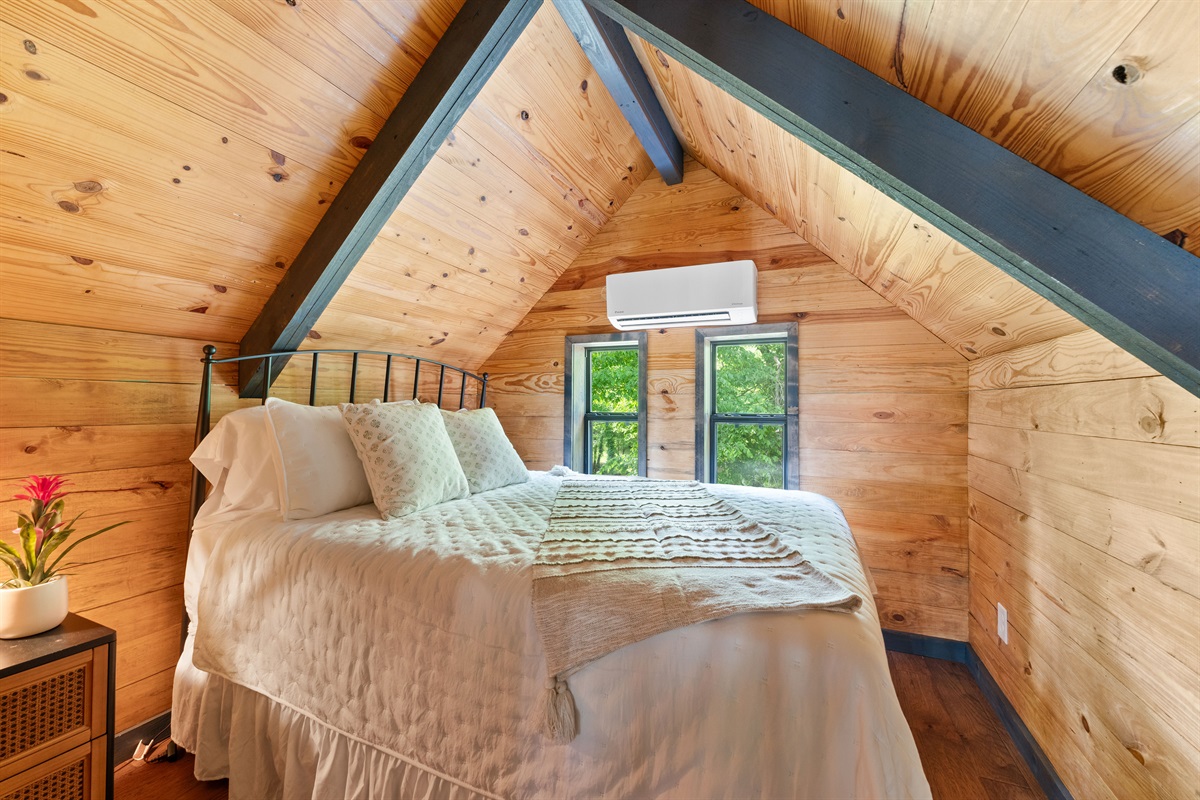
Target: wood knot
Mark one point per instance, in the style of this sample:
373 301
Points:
279 158
280 264
362 142
199 310
3 98
1133 751
583 86
87 262
89 187
31 449
1028 670
30 47
998 331
1086 728
68 206
314 335
524 115
219 288
1126 74
896 616
884 414
971 350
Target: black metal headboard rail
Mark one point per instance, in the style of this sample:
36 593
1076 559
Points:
203 417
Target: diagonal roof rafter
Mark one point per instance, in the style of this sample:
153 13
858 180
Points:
1129 284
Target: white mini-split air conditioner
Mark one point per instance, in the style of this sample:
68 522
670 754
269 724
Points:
708 294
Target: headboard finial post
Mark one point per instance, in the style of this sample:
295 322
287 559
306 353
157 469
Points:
209 352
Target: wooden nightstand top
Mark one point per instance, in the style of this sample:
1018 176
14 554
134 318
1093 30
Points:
74 635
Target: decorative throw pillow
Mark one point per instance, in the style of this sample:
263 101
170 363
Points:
406 454
318 468
485 453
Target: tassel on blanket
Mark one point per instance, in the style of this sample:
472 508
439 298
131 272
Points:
560 710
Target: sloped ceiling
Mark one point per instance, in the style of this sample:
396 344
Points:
161 165
956 294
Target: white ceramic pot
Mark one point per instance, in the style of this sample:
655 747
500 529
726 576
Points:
34 609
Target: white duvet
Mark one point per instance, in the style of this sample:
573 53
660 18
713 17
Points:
406 651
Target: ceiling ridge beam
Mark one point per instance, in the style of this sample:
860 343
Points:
1129 284
608 48
477 40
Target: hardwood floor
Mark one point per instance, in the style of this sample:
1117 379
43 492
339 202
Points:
965 750
966 753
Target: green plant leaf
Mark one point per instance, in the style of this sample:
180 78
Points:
78 542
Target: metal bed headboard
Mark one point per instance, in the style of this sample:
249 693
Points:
203 418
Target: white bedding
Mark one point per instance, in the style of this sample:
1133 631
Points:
374 659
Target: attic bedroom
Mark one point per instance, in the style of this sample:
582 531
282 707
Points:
923 517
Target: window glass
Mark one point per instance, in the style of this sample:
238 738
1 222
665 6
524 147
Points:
613 447
613 378
749 454
751 378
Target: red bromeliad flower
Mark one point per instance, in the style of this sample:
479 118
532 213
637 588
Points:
46 488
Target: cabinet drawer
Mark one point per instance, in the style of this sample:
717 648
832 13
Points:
78 774
52 709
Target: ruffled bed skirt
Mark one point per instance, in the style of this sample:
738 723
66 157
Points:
269 750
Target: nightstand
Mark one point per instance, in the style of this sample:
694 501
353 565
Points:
56 713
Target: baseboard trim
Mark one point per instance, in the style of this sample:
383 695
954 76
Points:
962 653
127 741
928 646
1027 746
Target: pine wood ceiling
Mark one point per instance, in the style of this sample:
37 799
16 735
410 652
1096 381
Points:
161 164
956 294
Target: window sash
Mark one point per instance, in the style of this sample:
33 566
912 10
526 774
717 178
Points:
707 418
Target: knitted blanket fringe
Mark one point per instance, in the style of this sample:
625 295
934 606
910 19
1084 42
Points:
624 560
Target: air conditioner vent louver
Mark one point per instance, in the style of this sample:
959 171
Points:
707 294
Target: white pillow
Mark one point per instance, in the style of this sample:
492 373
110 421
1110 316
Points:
406 454
235 458
485 453
315 461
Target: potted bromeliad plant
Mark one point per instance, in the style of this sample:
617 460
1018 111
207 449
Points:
34 599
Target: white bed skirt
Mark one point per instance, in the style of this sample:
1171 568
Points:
269 750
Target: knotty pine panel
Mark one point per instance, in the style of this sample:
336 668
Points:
883 401
115 412
1084 482
1038 79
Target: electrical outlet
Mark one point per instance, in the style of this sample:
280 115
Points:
1002 622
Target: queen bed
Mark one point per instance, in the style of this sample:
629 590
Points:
339 654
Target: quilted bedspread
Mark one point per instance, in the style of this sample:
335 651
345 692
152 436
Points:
416 636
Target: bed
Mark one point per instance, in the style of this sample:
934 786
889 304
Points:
345 655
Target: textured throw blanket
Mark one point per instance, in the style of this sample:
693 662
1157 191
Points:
624 560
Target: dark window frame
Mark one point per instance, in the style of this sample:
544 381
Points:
577 413
707 340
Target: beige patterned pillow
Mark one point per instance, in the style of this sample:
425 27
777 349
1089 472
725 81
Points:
408 458
486 455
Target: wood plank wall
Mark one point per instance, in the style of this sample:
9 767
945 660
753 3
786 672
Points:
116 413
883 402
1085 523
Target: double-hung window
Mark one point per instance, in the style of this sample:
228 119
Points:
747 416
605 406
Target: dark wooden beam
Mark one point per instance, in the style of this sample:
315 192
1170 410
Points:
465 57
609 50
1129 284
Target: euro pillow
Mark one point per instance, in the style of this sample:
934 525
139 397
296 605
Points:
318 469
485 453
235 457
406 454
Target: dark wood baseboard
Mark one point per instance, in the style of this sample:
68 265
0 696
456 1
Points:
127 741
963 653
1027 746
929 646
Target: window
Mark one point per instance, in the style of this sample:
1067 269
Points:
605 405
747 416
